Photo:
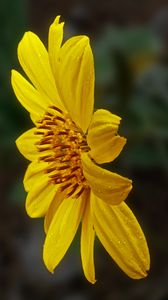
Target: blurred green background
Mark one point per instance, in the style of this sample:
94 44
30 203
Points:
130 45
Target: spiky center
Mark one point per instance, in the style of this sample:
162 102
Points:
61 145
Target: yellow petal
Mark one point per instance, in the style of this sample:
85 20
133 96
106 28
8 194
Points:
110 187
104 117
54 43
105 147
62 231
26 144
76 79
34 60
87 243
122 237
59 197
104 144
33 172
28 96
40 197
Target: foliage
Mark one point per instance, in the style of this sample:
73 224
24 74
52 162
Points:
12 118
132 81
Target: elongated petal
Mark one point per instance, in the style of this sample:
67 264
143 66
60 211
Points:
76 79
59 197
87 244
35 170
105 145
122 237
62 231
28 96
26 144
110 187
54 43
40 197
34 60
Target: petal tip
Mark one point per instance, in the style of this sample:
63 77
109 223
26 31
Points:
47 263
124 140
14 74
57 22
32 213
13 71
146 268
92 281
17 142
25 38
143 274
57 19
85 40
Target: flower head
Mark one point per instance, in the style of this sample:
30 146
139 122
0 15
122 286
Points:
65 185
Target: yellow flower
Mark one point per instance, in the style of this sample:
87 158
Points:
64 182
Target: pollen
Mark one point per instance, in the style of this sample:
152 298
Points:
60 145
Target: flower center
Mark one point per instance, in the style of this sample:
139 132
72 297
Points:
61 145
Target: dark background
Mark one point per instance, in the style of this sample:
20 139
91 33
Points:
130 45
